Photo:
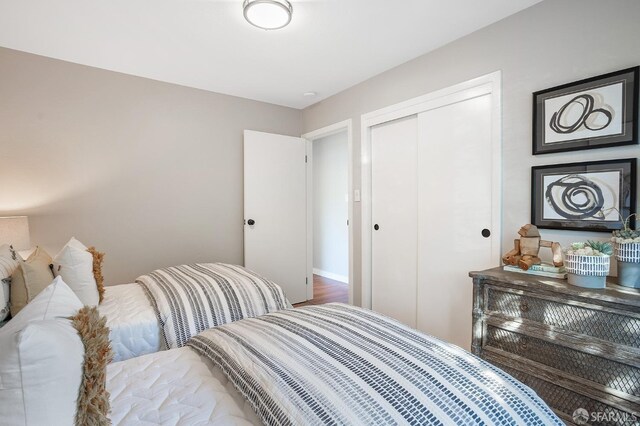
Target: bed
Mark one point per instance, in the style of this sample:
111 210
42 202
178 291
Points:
164 308
327 364
176 387
134 326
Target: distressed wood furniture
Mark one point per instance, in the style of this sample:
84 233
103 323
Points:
576 347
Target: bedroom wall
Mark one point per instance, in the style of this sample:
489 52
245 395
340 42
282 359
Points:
330 208
553 42
149 172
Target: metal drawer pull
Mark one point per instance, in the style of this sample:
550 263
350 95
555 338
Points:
524 307
524 345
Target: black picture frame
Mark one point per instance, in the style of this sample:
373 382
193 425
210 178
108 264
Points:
597 112
579 196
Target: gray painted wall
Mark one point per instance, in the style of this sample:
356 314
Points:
330 207
149 172
553 42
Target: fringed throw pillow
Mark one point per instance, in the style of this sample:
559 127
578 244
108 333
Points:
97 270
93 398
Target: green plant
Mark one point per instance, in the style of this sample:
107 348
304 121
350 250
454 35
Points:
601 246
626 234
591 248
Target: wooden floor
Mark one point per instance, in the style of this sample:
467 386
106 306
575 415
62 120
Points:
325 291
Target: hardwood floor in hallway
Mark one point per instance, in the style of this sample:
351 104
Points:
326 291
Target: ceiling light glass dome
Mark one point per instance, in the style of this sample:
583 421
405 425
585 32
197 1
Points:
268 14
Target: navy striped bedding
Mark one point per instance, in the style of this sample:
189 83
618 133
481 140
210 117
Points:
191 298
338 364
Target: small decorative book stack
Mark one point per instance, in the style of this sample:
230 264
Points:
543 270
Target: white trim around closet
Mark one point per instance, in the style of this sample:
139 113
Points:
489 83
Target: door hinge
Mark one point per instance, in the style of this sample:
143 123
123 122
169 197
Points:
305 158
306 281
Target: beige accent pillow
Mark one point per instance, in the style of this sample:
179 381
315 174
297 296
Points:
31 277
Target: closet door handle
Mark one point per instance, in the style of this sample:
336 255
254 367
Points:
251 222
376 227
486 233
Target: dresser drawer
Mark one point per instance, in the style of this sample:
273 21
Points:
615 375
565 402
570 316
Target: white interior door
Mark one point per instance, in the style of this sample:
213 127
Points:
455 200
275 210
394 214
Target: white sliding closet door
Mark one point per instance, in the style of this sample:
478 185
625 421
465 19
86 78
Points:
394 181
454 201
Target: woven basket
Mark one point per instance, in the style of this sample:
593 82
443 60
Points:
588 266
627 252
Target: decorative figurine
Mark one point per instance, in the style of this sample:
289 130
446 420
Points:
527 247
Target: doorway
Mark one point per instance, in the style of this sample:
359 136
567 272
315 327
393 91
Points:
331 216
279 217
330 207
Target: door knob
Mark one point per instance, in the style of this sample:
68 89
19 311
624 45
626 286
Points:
486 233
251 222
376 227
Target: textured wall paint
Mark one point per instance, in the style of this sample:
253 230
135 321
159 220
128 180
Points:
551 43
149 172
330 208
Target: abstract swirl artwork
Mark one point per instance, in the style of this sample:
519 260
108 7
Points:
592 113
587 196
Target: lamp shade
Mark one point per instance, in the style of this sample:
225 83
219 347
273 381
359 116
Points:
15 231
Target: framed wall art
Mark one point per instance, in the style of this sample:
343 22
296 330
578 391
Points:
594 113
590 196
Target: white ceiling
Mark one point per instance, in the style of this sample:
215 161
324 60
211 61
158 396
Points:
329 46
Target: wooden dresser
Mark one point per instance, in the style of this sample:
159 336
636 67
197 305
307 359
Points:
577 348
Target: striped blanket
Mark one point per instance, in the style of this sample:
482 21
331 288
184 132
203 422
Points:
337 364
191 298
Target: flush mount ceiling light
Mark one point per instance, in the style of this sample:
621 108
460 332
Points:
268 14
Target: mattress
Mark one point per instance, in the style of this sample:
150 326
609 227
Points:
132 321
176 387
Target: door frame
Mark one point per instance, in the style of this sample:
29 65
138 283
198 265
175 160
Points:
487 84
310 137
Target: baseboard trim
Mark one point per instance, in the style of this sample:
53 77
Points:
331 275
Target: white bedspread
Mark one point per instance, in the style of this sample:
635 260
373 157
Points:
132 320
174 387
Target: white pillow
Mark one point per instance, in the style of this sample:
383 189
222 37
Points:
57 300
8 264
41 360
75 265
